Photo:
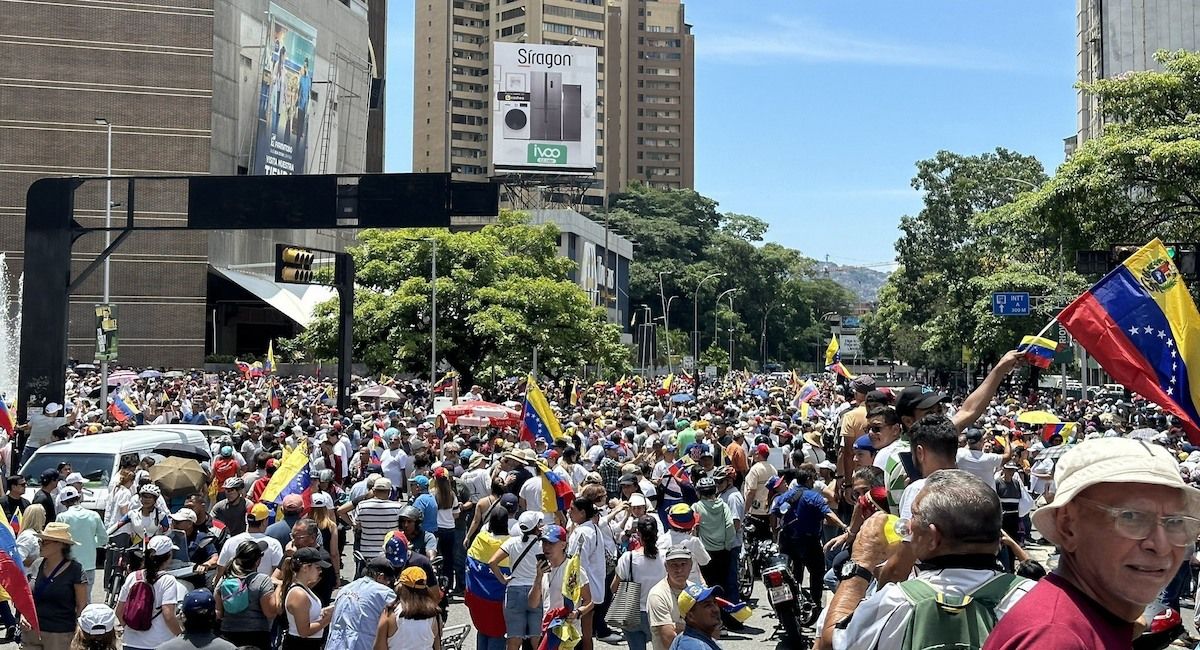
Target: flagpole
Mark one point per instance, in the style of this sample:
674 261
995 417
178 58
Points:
1047 327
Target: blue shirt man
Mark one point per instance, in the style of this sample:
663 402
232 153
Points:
361 601
426 503
801 512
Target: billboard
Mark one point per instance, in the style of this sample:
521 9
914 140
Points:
281 135
543 108
850 346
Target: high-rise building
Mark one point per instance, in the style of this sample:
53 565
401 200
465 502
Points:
645 79
1119 36
189 87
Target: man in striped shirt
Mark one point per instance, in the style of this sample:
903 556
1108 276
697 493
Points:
376 517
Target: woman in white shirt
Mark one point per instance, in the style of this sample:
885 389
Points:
165 624
587 542
521 621
442 490
33 522
644 565
413 622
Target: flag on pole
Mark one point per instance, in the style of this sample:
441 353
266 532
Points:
17 520
832 355
294 476
1039 352
1140 323
269 366
120 409
537 418
242 367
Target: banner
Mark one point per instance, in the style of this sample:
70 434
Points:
543 107
289 57
106 332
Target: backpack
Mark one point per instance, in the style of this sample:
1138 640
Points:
235 594
139 608
941 620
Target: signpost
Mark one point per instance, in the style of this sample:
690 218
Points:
1010 303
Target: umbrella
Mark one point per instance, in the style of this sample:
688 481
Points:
173 374
498 414
181 450
84 366
682 397
122 377
758 392
179 475
1143 434
379 392
149 374
1038 417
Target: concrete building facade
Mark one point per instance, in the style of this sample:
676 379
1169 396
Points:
178 82
644 96
1119 36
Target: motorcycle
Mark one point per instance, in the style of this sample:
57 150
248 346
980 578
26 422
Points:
749 562
793 607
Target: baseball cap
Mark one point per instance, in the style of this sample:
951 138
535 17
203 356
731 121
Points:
973 434
49 475
68 493
161 545
636 500
185 514
879 397
863 443
422 481
554 533
773 483
381 564
311 556
199 601
74 478
693 594
608 444
414 578
258 512
322 500
529 520
1111 460
383 483
97 618
863 384
294 503
679 552
628 479
509 501
917 397
762 449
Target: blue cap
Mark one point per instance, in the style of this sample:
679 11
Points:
465 455
199 601
422 481
693 594
391 433
393 413
864 443
374 468
608 444
509 501
554 533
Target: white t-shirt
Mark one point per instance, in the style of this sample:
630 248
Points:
166 592
645 570
272 557
392 461
980 463
531 492
587 542
552 595
525 572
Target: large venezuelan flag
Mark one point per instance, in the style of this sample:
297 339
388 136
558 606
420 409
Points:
7 422
12 577
294 476
557 495
1141 325
537 418
484 594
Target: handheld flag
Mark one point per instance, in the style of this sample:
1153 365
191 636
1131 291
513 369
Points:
678 471
1038 351
740 612
484 594
273 396
269 366
558 631
557 495
16 521
242 367
832 355
666 385
12 577
294 476
575 394
839 369
537 418
1140 323
6 419
120 409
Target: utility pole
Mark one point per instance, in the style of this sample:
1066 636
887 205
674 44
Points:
696 317
433 315
107 243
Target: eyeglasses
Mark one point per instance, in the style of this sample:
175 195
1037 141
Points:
1137 525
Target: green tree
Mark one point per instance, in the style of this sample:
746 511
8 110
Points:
500 292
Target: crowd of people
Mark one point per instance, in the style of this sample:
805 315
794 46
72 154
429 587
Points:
900 509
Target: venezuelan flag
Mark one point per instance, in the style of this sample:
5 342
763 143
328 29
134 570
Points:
1064 429
667 383
12 577
274 398
558 631
269 366
537 418
16 521
557 495
242 366
575 394
806 393
1141 325
740 612
294 476
120 409
678 471
832 355
839 369
1038 351
6 419
484 595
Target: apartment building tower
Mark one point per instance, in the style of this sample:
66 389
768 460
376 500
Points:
645 77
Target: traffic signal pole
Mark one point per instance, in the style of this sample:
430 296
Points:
344 282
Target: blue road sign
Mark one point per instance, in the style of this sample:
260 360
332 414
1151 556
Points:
1010 303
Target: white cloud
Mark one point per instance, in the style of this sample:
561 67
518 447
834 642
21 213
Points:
808 41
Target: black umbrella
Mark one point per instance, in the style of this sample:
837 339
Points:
181 450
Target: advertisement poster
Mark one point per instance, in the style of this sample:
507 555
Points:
284 105
543 108
106 332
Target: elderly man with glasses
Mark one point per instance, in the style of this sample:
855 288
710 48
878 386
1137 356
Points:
1124 520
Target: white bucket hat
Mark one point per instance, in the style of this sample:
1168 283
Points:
1112 460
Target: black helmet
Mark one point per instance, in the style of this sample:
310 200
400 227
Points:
762 439
412 512
706 485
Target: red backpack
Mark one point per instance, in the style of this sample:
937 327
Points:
139 607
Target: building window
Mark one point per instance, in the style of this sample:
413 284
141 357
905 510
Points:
518 28
556 28
512 13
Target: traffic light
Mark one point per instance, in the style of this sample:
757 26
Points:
293 264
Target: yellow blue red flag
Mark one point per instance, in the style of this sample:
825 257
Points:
537 418
1140 323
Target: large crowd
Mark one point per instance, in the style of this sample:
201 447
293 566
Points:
907 514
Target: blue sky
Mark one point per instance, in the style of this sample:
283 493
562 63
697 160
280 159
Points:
810 115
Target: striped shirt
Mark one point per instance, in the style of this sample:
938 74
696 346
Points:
376 518
894 476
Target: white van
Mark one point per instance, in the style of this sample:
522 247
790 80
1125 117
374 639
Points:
98 457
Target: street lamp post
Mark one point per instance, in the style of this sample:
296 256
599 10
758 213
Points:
716 313
667 331
432 313
762 340
696 316
107 242
730 292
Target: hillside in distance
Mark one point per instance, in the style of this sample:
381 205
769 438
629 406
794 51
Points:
864 282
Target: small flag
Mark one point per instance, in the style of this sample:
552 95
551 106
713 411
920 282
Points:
839 369
16 521
273 395
242 367
740 612
1064 429
575 395
678 471
6 419
1038 351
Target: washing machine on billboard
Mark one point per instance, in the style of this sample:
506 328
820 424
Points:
515 105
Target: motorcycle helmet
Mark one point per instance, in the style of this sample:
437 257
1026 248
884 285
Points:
412 512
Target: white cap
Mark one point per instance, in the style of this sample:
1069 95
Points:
636 500
529 520
74 478
52 407
161 545
321 500
185 514
97 618
67 493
